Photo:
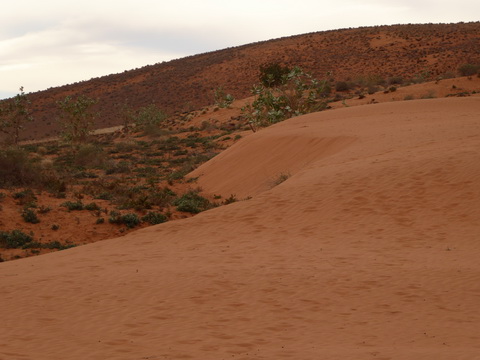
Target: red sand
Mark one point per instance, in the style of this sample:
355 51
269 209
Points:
368 251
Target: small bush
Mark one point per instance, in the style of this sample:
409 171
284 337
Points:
192 202
73 206
30 216
14 239
130 220
154 218
25 197
92 207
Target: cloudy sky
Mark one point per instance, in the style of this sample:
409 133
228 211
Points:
50 43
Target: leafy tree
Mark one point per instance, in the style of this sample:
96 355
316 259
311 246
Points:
149 115
298 94
77 118
14 113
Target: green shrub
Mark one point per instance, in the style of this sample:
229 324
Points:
130 220
14 239
154 218
25 197
192 202
92 207
299 93
73 205
30 216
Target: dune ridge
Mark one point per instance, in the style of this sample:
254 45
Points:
369 250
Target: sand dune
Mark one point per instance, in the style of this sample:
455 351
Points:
368 251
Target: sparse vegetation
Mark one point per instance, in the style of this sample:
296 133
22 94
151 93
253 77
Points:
469 69
14 239
222 99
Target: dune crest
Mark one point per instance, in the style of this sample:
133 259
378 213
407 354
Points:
369 250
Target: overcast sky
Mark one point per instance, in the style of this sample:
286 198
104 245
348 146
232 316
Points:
50 43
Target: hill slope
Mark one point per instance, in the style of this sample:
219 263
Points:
369 251
424 51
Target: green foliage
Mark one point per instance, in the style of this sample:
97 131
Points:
14 113
73 205
469 69
154 218
92 207
14 239
222 99
77 118
130 220
30 216
149 115
298 94
273 74
192 202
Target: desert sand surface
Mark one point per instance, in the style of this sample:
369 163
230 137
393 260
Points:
369 250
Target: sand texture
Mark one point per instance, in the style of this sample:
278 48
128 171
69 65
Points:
369 250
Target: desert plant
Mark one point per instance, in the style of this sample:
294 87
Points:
192 202
149 115
298 94
92 207
17 168
154 218
14 239
77 118
273 74
222 99
73 205
130 220
30 216
14 114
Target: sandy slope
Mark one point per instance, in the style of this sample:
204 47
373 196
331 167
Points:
368 251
